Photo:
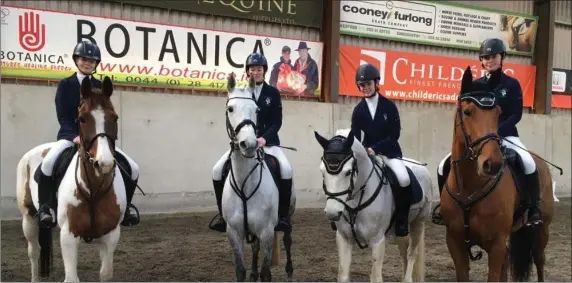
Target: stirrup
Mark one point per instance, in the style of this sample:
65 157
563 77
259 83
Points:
436 217
219 225
128 217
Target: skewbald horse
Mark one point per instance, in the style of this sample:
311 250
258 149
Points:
480 203
91 195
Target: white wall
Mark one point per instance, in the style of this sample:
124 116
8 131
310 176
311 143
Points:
176 139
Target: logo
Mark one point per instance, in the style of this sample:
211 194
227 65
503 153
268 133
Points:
503 92
375 58
268 101
558 81
384 116
32 33
4 14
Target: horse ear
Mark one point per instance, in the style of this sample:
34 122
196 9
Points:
85 87
230 83
321 140
349 142
251 83
107 86
467 80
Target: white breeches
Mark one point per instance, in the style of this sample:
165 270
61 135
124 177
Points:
55 151
527 160
398 167
217 169
285 167
442 164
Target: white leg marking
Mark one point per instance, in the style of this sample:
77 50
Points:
31 232
418 232
106 251
377 255
345 258
402 244
69 245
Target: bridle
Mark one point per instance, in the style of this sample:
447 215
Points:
259 156
483 100
334 161
96 196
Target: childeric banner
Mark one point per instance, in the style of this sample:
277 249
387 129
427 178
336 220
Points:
38 45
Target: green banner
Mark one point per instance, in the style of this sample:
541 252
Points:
306 13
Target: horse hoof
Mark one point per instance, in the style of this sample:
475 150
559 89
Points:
253 278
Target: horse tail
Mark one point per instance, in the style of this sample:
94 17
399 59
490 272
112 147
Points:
522 244
46 251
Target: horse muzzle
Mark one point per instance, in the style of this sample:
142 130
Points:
103 167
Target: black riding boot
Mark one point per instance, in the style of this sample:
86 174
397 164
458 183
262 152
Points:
533 189
220 224
403 202
130 219
437 218
285 193
45 198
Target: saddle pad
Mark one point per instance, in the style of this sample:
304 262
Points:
416 191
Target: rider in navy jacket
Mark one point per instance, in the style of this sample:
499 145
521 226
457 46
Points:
510 99
378 118
270 114
380 134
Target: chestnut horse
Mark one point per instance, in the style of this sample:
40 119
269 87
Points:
481 202
91 199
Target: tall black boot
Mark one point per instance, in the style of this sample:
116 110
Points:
533 190
402 202
130 219
220 224
285 193
45 198
437 218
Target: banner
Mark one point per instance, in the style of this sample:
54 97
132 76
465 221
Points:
437 23
38 44
287 12
417 77
561 88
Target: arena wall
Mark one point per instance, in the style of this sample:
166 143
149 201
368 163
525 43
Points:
176 138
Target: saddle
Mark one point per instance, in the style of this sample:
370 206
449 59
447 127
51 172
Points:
63 162
270 160
416 191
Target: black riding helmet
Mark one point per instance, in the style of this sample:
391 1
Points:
492 46
87 50
367 72
256 59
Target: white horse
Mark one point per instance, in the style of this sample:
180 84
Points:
91 194
250 194
366 214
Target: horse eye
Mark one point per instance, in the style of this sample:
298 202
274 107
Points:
467 112
82 119
349 172
230 109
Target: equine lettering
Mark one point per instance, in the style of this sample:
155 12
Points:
87 29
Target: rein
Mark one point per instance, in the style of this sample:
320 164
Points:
259 155
470 155
93 197
353 211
